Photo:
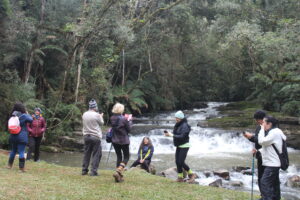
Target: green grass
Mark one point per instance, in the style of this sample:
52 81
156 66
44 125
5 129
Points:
47 181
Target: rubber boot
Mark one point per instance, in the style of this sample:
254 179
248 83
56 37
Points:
10 163
22 164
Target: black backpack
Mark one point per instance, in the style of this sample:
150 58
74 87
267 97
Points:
284 157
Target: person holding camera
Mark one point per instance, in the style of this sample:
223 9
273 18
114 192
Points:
181 138
271 139
92 134
258 116
120 139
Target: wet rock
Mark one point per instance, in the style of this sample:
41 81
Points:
240 168
247 172
236 183
217 183
207 174
51 149
293 181
202 124
223 174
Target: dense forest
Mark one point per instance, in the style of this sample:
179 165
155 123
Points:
148 54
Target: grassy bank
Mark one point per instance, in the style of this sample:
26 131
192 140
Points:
240 115
48 181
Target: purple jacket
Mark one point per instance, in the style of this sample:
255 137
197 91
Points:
121 129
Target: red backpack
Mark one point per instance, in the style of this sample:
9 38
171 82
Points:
14 125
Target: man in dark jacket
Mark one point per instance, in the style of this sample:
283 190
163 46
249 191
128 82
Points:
181 141
258 116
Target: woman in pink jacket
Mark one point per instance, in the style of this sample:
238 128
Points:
36 131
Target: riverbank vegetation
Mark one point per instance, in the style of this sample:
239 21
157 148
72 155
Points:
150 55
48 181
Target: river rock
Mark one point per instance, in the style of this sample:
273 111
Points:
236 183
240 168
293 181
222 173
202 124
207 174
216 183
247 172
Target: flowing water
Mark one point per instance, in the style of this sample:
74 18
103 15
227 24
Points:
212 149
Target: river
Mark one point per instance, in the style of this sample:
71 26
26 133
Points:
212 149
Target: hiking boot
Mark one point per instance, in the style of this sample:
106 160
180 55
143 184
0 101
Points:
118 175
180 180
10 163
83 173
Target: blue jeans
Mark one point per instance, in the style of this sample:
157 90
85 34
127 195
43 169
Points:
17 147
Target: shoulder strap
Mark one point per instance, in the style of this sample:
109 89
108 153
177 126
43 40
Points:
275 149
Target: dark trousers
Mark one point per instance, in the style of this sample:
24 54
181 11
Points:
34 147
270 184
92 149
260 169
144 165
122 152
180 157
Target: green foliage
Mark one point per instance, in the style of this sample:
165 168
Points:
292 108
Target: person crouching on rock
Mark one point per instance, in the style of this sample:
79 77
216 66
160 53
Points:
145 154
120 139
36 133
181 141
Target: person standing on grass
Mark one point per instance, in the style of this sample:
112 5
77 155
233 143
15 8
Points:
270 137
92 134
259 117
36 133
181 141
145 154
18 141
120 140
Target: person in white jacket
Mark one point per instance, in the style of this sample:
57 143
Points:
268 136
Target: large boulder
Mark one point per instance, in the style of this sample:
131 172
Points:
171 173
200 105
223 174
152 169
207 174
216 183
293 181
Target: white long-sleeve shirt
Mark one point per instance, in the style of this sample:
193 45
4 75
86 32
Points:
92 121
269 155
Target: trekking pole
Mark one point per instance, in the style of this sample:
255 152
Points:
252 176
109 154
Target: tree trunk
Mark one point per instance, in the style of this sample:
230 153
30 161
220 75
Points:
35 45
81 54
123 69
